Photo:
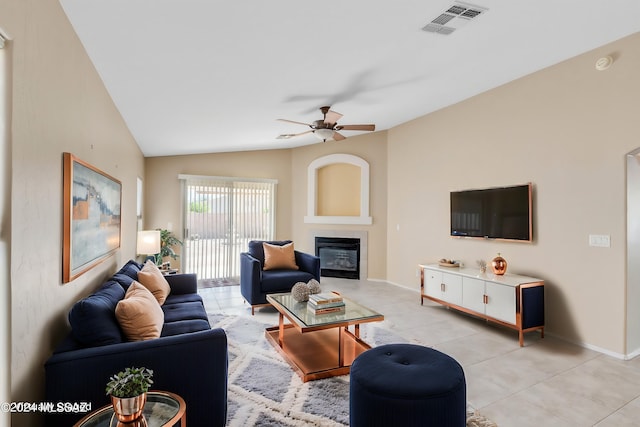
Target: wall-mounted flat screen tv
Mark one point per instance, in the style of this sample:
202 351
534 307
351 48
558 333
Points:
493 213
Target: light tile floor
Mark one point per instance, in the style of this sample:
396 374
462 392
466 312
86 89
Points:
548 382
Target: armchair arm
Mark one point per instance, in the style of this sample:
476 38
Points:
250 277
183 283
193 365
309 263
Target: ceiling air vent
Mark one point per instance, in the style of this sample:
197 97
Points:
453 18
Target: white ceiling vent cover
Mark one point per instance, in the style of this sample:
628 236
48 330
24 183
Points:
455 17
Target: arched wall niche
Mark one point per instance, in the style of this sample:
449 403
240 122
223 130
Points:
312 190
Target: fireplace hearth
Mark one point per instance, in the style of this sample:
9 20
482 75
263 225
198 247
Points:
339 256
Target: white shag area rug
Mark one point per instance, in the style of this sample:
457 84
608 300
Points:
264 391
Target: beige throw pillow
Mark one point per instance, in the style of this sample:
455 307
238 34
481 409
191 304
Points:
151 278
279 257
139 314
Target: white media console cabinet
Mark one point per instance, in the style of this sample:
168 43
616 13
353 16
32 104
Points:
510 300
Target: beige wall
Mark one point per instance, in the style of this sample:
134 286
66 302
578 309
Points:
338 190
567 129
162 203
5 227
59 104
370 147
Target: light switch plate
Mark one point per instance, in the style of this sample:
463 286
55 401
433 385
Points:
600 240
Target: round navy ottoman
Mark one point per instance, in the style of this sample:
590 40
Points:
407 385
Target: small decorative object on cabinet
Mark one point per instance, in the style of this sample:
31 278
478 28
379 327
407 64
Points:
511 300
483 265
444 262
499 265
128 391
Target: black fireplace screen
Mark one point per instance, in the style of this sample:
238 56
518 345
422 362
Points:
339 257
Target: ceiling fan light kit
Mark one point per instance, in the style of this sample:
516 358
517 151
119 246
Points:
324 134
327 127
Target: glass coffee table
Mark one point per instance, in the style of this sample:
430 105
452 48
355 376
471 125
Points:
318 345
162 409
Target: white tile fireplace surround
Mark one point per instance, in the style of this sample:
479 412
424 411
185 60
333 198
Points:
351 234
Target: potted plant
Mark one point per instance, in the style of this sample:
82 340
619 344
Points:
128 391
167 242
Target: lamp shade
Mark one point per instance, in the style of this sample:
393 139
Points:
148 242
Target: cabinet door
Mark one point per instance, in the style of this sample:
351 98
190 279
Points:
452 290
473 294
502 302
432 282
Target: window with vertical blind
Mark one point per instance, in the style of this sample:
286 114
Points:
221 216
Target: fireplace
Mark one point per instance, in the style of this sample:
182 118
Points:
339 256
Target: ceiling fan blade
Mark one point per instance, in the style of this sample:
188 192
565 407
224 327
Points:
332 117
338 137
292 135
291 121
357 127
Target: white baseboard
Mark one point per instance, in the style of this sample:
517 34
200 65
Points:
595 348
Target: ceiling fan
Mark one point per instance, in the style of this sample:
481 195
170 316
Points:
327 127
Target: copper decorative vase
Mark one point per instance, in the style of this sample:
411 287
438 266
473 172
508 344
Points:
128 409
499 265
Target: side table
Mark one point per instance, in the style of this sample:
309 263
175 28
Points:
169 271
162 409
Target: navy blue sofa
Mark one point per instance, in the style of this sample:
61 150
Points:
189 358
256 283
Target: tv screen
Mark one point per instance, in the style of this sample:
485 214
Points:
492 213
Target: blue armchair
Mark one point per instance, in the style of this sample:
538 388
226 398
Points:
256 283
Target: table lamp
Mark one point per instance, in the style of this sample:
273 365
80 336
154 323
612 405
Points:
148 244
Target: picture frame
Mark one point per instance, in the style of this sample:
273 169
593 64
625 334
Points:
91 217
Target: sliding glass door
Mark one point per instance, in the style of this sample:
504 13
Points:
221 216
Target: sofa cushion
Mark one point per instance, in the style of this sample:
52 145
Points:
279 257
184 327
151 278
92 319
256 249
127 274
184 311
180 298
282 280
139 314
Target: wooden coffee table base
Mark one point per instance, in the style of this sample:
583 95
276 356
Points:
317 354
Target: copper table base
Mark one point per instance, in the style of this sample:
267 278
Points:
318 346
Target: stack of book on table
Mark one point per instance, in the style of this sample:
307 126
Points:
324 303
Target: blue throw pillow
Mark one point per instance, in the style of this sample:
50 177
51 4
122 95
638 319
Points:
131 269
93 320
127 274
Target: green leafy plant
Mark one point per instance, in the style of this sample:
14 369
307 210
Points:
167 242
130 383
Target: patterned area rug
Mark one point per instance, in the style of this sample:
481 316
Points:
265 391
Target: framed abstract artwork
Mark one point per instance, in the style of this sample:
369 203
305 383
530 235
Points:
91 229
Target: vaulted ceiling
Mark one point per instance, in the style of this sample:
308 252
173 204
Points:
202 76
